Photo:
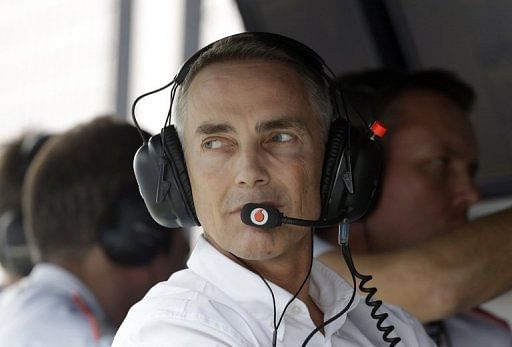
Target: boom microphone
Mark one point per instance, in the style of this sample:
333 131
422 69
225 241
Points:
263 216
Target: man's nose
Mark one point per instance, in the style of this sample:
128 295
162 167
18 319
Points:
466 191
251 168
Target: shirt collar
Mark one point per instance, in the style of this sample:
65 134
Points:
331 294
329 291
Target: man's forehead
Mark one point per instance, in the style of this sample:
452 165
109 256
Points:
222 81
431 111
418 137
260 126
265 94
426 106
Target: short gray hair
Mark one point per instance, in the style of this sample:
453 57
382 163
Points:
245 47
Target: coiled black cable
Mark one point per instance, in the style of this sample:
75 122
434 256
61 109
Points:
370 292
374 304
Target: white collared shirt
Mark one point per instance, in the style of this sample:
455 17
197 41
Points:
217 302
42 310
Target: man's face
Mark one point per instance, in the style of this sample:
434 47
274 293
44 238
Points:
428 180
250 135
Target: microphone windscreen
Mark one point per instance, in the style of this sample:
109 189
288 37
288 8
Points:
260 216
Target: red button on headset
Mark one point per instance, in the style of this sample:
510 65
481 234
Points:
378 129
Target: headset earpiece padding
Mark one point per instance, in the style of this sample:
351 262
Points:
163 181
332 158
175 152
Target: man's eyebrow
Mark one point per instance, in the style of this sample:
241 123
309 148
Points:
214 128
283 123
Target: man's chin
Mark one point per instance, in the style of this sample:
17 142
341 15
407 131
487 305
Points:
255 244
456 223
255 254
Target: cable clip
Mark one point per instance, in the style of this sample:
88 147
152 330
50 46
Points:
343 232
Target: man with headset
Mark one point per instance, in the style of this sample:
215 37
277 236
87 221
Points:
97 248
417 232
253 115
15 159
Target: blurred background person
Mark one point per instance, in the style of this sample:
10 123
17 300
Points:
426 189
15 158
96 247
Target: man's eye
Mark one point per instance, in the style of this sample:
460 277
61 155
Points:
438 165
212 144
282 137
441 161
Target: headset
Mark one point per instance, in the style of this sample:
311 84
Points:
14 253
127 232
352 162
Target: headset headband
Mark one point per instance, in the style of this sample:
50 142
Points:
296 50
307 56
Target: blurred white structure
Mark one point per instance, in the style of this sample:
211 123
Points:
58 63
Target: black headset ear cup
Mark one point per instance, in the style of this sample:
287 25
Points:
350 180
163 181
14 251
128 234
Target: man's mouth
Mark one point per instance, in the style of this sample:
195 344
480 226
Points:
238 208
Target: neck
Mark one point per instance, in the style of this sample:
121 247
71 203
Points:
10 279
288 271
106 280
292 278
291 273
